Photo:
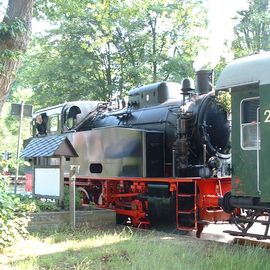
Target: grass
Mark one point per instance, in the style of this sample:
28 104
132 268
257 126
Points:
126 249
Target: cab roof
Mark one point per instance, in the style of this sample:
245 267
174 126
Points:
84 106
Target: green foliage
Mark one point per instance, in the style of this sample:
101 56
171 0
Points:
9 55
13 213
102 48
9 129
78 198
13 221
12 29
219 67
224 99
45 206
8 165
7 31
253 29
31 205
26 204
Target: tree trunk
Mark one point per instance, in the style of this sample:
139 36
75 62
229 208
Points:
13 43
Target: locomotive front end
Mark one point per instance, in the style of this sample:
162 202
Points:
202 145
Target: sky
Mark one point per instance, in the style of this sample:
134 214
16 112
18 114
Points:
220 16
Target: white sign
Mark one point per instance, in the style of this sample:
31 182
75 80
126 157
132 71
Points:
47 181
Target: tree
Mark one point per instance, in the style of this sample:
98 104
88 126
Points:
252 33
14 36
102 48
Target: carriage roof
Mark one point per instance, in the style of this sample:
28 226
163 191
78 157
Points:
246 70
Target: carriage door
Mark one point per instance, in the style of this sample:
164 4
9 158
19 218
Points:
264 161
246 140
250 137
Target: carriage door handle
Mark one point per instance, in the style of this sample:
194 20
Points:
258 151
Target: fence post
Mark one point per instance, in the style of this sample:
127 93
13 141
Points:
18 149
72 179
61 195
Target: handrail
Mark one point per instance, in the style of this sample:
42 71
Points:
258 152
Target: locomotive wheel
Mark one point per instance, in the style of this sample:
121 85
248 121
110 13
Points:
85 196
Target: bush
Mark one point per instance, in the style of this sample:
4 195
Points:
78 198
44 206
31 205
25 203
13 220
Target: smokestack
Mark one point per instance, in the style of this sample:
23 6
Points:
204 81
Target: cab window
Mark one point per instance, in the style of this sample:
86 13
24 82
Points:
53 123
40 124
71 117
250 124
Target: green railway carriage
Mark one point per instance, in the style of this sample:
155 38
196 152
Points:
248 80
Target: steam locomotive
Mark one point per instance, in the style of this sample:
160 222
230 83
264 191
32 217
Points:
166 156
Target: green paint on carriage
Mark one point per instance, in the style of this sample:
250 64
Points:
248 79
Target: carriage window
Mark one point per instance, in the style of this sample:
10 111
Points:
250 124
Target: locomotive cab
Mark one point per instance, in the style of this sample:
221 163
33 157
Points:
61 118
47 122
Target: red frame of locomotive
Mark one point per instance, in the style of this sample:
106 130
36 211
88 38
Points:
118 192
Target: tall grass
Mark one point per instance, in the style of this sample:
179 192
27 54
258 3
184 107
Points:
91 249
